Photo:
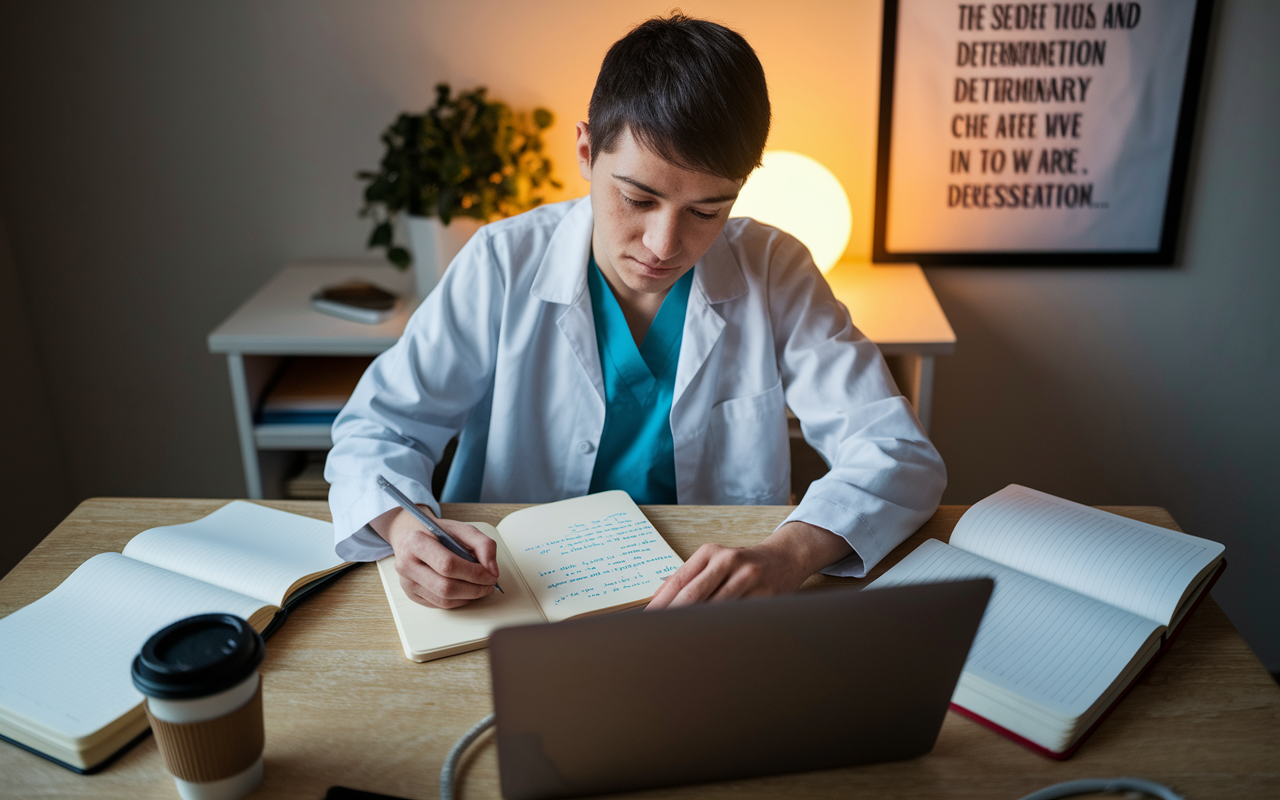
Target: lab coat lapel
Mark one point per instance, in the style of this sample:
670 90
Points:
562 279
580 330
717 278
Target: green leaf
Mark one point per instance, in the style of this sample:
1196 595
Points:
400 257
381 236
543 118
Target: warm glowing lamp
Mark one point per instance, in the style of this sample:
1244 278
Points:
802 197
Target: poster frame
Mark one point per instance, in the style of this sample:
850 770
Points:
1174 199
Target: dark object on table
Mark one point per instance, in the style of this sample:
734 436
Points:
357 301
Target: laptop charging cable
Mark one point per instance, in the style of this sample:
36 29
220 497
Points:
455 755
1093 785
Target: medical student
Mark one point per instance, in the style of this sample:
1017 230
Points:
639 339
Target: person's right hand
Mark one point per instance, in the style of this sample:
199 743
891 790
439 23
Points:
429 573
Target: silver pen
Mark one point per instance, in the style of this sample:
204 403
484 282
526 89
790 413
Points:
448 541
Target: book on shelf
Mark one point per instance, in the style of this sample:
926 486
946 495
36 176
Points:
312 390
309 482
356 301
1084 602
322 418
65 687
572 558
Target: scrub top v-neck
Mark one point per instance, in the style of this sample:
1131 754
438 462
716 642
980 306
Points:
636 451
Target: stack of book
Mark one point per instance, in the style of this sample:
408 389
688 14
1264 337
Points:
357 301
311 391
309 484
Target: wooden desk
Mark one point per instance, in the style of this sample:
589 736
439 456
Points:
343 706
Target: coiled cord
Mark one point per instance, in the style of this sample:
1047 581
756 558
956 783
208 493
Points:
1091 785
455 755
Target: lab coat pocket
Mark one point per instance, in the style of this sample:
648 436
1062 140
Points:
748 448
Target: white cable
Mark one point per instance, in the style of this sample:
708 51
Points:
451 761
1092 785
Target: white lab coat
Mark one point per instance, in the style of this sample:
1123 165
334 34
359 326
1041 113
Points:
504 351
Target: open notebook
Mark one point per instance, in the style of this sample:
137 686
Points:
572 558
65 686
1083 602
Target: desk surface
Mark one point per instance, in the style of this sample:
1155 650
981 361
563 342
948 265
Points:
343 706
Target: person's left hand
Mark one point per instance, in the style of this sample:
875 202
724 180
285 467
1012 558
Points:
778 565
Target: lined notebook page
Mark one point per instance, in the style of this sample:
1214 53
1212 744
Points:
588 553
1138 567
1050 645
248 548
424 630
67 656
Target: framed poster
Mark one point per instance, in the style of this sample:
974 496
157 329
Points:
1036 133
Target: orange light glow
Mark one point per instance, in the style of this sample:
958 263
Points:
797 194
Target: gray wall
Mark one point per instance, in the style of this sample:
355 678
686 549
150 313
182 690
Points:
159 161
34 491
1148 386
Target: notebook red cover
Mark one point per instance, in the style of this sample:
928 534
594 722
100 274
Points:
1070 751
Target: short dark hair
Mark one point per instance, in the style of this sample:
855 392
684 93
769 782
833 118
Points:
690 90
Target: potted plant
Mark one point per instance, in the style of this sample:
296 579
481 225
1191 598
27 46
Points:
461 163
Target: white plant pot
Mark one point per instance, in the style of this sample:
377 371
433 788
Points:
434 245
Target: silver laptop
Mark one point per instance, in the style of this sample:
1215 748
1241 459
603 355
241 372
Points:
809 681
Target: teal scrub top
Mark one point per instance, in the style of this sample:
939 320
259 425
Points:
636 452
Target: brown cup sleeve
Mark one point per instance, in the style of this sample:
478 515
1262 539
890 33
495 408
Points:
212 749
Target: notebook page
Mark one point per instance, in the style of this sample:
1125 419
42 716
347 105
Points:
1141 568
424 631
1045 643
248 548
588 553
67 656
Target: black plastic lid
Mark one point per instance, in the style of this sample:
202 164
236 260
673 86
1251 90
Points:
197 656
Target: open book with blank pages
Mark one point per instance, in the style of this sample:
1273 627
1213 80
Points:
65 686
1084 602
572 558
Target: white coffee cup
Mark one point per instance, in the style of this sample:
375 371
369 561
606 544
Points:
204 700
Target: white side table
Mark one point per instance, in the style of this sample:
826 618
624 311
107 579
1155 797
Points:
893 305
277 323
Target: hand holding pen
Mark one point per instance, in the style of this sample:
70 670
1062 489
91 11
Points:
428 573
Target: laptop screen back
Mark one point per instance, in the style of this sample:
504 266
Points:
713 692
